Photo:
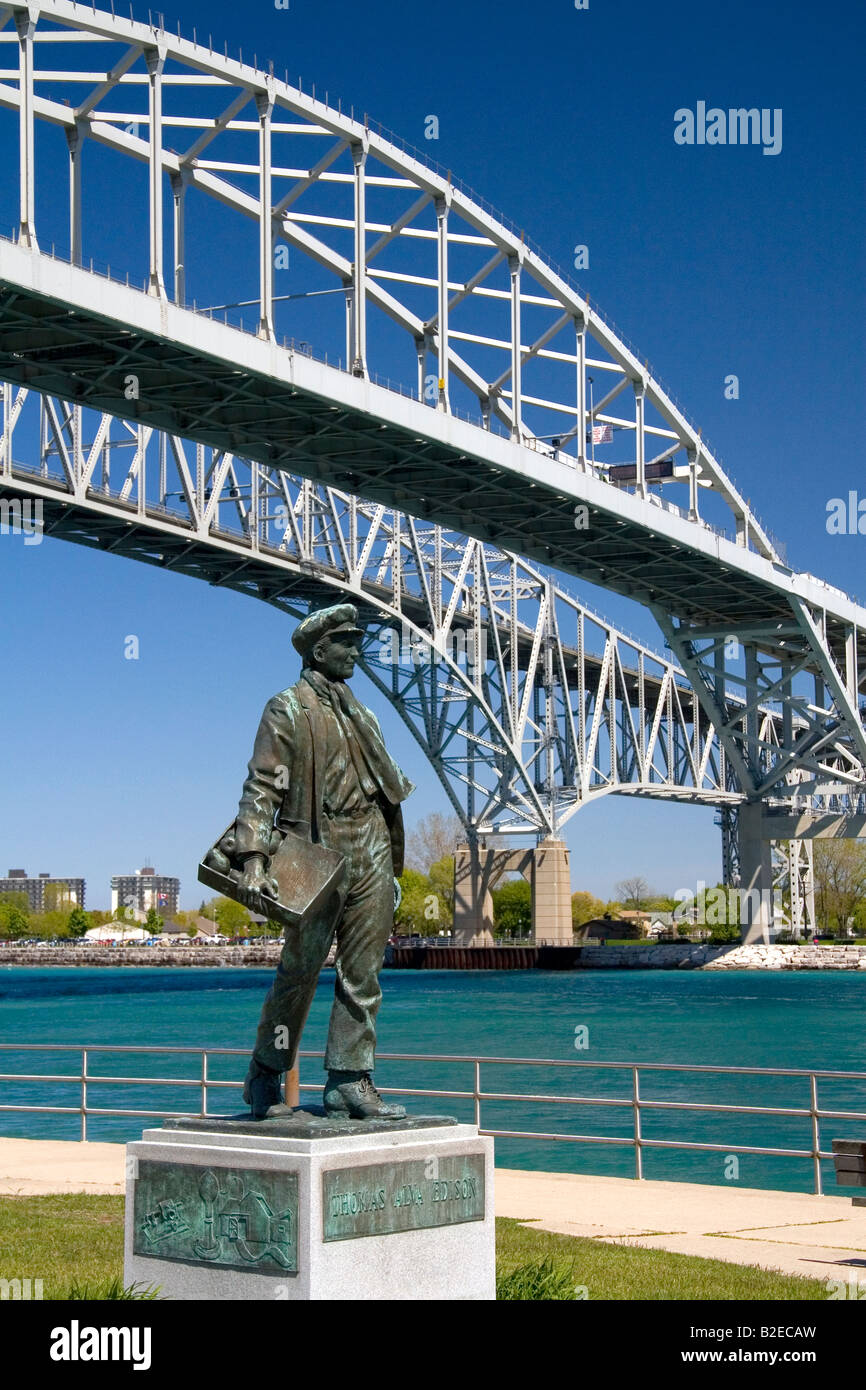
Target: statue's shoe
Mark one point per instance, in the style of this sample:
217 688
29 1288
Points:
352 1094
263 1094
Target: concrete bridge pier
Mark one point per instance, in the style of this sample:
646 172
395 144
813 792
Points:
478 869
756 876
550 877
473 905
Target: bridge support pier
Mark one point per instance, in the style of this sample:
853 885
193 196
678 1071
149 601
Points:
473 905
551 892
756 876
477 870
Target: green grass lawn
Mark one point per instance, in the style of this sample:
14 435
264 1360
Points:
74 1244
62 1239
557 1265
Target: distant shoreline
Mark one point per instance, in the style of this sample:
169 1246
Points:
636 956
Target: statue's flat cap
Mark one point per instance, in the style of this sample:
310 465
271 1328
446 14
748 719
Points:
326 622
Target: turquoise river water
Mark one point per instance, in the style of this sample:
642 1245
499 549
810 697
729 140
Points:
810 1020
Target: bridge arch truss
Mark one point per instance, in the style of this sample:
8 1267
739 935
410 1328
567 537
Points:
527 704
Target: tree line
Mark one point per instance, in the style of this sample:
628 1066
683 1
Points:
18 922
427 908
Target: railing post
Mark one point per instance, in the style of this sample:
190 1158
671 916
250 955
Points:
25 23
204 1081
155 61
265 108
816 1134
358 336
83 1094
442 205
478 1093
638 1153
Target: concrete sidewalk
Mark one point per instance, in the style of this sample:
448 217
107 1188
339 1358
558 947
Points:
32 1167
822 1237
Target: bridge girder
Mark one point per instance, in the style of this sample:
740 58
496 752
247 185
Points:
527 704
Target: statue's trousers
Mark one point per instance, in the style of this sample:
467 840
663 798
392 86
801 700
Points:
362 935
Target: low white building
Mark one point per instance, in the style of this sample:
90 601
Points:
120 932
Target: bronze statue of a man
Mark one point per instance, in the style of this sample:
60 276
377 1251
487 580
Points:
320 769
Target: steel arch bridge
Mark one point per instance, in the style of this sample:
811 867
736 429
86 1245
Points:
502 435
527 704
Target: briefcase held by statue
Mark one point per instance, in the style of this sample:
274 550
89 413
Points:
310 878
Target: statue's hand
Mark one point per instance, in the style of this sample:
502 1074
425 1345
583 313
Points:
255 881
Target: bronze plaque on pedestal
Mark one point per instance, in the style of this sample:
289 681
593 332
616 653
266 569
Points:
382 1198
236 1218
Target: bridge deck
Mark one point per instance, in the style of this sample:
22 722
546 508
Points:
76 335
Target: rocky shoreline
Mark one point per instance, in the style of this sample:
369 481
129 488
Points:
683 956
234 957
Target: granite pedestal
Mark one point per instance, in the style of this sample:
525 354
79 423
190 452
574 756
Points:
311 1208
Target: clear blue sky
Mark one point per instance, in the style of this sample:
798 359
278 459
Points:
711 260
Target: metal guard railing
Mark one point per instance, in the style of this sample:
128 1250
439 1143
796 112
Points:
636 1103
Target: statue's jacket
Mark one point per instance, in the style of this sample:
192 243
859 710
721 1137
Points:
286 776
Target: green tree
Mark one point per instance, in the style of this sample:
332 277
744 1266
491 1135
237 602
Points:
718 907
585 908
724 933
409 916
19 900
48 925
840 881
512 908
13 922
441 885
860 918
186 922
634 892
231 917
153 922
78 922
660 904
55 895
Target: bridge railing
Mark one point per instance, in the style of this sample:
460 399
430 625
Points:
305 348
636 1104
222 315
